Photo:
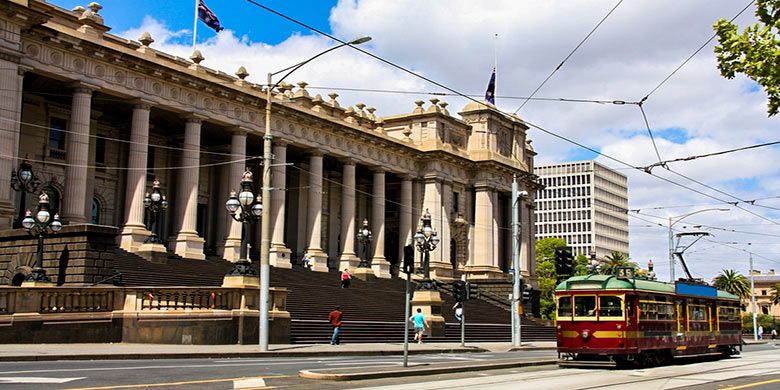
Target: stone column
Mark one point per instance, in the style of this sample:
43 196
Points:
134 232
349 258
77 148
481 263
232 250
443 266
318 259
432 202
405 219
280 254
11 77
187 243
379 263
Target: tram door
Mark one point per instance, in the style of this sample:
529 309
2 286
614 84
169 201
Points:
682 323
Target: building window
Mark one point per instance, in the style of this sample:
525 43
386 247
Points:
100 151
95 211
57 128
455 202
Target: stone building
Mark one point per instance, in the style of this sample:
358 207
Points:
585 203
100 117
764 285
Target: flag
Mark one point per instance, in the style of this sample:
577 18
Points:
491 89
206 16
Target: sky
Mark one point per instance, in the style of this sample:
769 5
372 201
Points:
458 42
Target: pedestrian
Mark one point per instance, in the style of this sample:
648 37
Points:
306 262
346 278
420 323
335 321
458 307
760 332
774 333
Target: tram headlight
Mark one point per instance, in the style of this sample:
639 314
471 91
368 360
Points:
585 334
619 326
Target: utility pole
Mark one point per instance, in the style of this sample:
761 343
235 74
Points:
517 325
753 299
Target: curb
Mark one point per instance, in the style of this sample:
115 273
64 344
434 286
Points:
419 370
225 355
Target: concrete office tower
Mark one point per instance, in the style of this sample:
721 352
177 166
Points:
584 203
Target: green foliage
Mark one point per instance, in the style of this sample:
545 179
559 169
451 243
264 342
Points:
581 265
765 320
732 281
611 263
776 294
755 52
545 273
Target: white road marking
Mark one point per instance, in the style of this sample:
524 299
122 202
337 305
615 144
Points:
36 379
254 383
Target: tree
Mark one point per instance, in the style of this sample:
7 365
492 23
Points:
612 261
545 273
732 281
755 52
581 265
776 294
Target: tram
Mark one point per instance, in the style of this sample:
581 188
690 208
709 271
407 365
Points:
616 320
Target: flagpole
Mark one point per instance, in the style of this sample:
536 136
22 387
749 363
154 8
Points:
195 26
495 63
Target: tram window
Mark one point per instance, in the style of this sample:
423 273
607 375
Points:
665 311
697 313
564 308
648 311
728 314
585 306
610 306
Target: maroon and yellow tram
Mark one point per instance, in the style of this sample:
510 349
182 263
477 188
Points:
607 320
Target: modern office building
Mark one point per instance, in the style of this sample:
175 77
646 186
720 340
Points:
584 203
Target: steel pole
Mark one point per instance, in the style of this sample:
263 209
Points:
671 252
753 300
463 324
516 341
406 320
265 239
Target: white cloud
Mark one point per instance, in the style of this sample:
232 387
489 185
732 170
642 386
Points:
453 43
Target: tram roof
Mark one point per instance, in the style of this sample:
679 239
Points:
612 282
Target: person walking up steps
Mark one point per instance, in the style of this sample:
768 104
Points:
420 323
335 321
346 278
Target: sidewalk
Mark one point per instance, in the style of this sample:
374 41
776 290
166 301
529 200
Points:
121 351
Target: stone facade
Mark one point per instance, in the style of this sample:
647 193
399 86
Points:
100 116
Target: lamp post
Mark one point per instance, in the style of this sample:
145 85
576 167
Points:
40 225
426 240
364 236
265 238
155 205
244 208
23 180
517 324
673 221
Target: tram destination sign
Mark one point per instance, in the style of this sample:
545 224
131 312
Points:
700 290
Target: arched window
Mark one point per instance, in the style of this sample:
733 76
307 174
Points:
95 211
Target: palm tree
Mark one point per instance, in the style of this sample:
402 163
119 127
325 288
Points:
611 263
776 294
733 282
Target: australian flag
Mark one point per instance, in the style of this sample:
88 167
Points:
491 89
206 16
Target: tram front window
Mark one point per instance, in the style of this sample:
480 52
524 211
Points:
585 306
610 306
564 308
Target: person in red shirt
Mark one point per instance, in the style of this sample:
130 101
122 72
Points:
345 278
335 321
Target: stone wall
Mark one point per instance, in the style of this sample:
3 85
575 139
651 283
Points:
77 255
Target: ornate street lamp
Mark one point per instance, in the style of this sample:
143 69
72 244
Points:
426 240
155 205
244 208
23 180
364 236
40 225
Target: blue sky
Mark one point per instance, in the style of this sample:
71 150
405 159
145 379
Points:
241 16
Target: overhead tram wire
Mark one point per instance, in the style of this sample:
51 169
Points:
694 157
568 56
511 116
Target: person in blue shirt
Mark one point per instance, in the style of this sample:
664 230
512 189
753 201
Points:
420 323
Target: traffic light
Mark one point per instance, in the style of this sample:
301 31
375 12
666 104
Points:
459 290
564 262
408 259
472 291
526 294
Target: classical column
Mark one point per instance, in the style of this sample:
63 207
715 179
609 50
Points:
11 77
379 263
280 254
187 243
432 201
444 267
481 263
238 155
349 258
134 232
405 219
74 209
318 259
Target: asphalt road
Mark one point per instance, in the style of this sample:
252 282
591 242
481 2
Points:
254 372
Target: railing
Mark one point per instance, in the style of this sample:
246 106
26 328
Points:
59 300
186 299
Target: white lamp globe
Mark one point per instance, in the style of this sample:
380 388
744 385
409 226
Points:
232 204
56 225
43 216
155 197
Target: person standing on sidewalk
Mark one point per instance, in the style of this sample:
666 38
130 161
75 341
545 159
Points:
420 323
335 321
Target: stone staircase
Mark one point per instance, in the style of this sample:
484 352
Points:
373 310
